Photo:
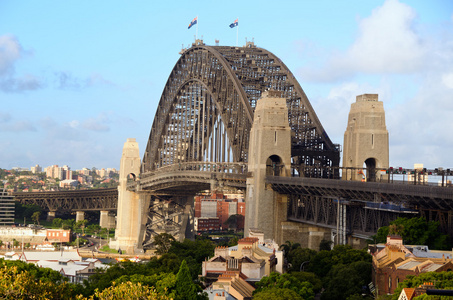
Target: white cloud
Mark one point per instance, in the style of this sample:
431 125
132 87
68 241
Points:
10 52
96 79
386 43
4 117
447 80
95 125
74 124
410 69
66 80
18 126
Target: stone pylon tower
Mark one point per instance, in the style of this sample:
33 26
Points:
129 213
366 140
269 154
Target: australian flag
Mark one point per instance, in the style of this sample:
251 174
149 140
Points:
194 21
234 24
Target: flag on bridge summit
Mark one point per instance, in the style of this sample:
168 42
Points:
194 21
234 24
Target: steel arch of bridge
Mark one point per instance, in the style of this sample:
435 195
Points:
206 109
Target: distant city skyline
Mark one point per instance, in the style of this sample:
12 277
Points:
79 78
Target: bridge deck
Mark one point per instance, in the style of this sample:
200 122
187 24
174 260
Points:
426 196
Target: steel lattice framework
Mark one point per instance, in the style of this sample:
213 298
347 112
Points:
206 109
70 201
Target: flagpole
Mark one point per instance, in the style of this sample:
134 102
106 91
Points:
196 35
237 33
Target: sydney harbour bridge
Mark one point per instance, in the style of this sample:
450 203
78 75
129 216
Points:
200 139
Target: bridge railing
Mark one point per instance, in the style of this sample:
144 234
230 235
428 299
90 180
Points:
423 176
210 167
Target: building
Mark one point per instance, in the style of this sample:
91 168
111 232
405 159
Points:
232 271
393 262
69 263
411 293
60 173
69 184
204 224
35 236
231 285
251 257
36 169
220 207
58 235
7 208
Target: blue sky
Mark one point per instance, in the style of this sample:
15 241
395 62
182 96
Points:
77 78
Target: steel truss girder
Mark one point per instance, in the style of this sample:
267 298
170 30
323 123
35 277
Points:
322 211
413 196
161 214
70 201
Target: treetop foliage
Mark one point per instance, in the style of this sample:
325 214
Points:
303 289
441 280
415 231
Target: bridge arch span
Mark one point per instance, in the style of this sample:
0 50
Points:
206 109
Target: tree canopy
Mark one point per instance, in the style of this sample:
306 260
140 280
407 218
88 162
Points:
415 231
441 280
286 281
276 293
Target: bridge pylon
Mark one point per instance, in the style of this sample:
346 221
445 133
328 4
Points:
129 212
269 154
366 140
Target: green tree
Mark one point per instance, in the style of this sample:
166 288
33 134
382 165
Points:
93 228
310 277
128 291
20 280
57 223
25 210
298 256
345 280
164 283
286 281
81 224
185 288
68 224
233 221
415 231
194 252
323 261
325 245
35 216
441 280
163 242
276 293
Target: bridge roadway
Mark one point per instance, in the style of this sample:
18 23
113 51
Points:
426 196
71 201
366 205
190 178
311 200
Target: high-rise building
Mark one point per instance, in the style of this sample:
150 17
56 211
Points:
6 208
219 207
36 169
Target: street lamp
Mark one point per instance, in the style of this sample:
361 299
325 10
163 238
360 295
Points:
302 265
